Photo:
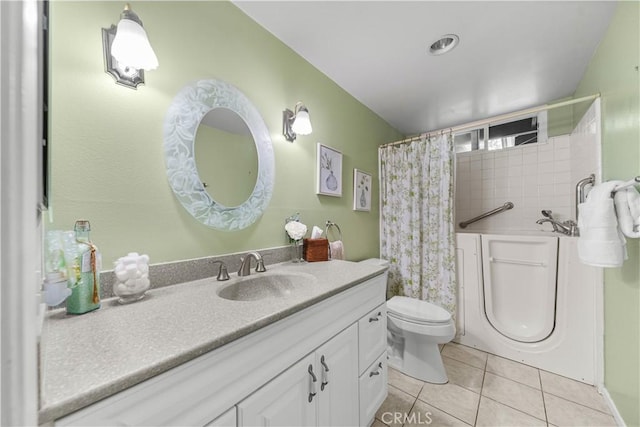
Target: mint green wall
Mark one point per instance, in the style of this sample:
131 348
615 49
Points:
614 73
560 120
107 148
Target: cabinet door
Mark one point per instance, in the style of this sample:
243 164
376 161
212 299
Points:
373 389
337 361
372 331
285 400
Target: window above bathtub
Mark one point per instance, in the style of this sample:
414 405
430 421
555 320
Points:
497 136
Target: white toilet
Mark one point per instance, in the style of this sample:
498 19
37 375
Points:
414 330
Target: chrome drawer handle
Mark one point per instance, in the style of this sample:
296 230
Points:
377 372
313 391
375 319
325 374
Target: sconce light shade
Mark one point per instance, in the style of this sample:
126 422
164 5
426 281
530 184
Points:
127 51
131 46
296 122
302 124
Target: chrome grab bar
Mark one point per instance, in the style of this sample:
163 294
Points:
502 208
580 195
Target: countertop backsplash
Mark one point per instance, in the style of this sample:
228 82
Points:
172 273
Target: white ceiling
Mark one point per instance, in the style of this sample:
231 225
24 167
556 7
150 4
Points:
512 55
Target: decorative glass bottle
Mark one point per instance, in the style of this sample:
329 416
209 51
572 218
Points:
85 286
297 250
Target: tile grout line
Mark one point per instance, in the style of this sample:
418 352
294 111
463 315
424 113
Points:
442 410
544 403
484 374
410 410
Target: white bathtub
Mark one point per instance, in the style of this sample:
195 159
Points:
557 325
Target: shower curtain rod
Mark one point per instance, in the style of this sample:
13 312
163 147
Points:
501 117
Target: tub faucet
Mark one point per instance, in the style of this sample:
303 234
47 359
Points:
569 227
245 264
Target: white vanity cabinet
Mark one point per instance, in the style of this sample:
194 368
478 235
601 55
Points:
321 389
263 378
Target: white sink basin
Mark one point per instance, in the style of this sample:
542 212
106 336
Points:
260 286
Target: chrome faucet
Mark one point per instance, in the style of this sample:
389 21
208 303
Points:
245 266
223 274
569 227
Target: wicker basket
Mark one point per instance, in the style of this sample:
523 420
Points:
316 250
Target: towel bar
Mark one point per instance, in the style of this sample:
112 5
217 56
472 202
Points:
630 183
328 226
580 193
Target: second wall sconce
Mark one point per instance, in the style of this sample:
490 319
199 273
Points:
127 51
296 122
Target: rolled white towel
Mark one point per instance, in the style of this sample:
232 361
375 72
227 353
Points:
627 203
601 243
337 249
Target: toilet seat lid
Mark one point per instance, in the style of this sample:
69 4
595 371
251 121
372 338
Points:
416 310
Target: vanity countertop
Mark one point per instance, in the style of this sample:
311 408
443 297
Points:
89 357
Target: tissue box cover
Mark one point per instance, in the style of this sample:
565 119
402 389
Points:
316 250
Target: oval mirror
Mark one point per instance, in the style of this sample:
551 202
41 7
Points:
189 109
226 157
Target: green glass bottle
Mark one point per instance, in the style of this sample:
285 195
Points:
85 286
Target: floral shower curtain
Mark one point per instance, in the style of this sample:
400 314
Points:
417 231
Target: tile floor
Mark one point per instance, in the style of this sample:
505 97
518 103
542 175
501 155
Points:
487 390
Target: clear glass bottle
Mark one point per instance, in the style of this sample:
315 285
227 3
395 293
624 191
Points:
85 292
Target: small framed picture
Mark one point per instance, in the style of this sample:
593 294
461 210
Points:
361 191
329 171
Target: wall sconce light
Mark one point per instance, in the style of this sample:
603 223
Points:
127 51
296 122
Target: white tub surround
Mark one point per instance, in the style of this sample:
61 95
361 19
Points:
563 317
185 356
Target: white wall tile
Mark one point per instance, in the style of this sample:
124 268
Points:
501 162
560 166
562 154
530 169
545 167
488 173
500 174
562 177
545 156
533 177
530 158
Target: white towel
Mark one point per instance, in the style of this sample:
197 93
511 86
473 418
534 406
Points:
627 204
336 249
601 242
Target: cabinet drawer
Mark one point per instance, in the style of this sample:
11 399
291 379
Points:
373 388
372 336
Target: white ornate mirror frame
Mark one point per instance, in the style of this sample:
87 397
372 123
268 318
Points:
181 123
